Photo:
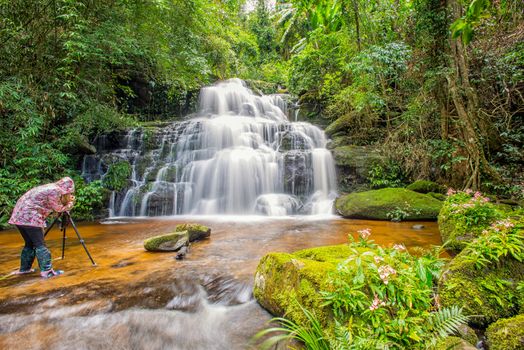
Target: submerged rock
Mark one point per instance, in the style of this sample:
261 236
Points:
167 243
196 232
506 334
377 204
426 186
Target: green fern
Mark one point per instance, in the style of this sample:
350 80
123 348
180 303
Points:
311 336
445 322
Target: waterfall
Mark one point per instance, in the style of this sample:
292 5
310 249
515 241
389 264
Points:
238 155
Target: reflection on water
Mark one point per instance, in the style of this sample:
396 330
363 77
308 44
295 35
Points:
136 299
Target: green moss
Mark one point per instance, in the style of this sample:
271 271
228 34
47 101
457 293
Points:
506 334
167 243
425 186
454 343
378 203
196 231
487 294
441 197
459 226
341 124
283 281
117 176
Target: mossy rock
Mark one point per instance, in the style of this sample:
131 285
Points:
441 197
283 281
468 334
167 243
341 124
454 229
377 204
196 231
487 294
506 334
426 186
454 343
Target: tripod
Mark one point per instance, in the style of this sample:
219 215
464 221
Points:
66 218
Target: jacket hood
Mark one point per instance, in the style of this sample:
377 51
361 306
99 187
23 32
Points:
66 185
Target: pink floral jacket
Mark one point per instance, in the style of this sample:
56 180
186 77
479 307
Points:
35 205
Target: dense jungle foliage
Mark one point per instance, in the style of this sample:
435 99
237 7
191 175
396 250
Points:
436 85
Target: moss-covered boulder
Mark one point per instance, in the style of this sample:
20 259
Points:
353 165
426 186
506 334
381 204
196 231
441 197
167 243
486 294
454 343
283 281
464 217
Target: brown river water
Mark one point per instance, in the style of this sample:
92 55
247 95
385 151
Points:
135 299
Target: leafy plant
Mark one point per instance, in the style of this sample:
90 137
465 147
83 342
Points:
385 175
117 175
89 197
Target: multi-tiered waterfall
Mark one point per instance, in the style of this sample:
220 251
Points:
238 155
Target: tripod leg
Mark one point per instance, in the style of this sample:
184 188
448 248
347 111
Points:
63 242
80 238
51 226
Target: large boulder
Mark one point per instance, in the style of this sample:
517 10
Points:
506 334
167 243
464 217
283 281
485 294
353 165
377 204
426 186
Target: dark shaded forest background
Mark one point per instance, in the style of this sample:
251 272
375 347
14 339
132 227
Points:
437 87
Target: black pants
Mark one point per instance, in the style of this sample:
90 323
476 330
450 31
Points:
33 236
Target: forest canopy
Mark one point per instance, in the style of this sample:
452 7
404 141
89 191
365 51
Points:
436 85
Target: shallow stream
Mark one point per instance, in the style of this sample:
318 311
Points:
135 299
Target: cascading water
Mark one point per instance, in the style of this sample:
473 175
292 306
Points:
238 155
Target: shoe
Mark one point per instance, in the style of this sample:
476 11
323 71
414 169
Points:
51 273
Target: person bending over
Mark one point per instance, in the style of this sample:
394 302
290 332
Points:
29 216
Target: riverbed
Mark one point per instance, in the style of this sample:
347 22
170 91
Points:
137 299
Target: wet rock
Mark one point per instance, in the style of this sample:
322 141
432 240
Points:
353 165
196 232
418 227
182 253
506 334
378 204
167 243
425 186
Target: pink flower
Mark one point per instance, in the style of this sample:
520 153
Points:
376 303
485 199
386 271
468 191
378 259
451 192
399 247
364 233
477 195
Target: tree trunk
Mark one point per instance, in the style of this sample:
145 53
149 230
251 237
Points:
465 100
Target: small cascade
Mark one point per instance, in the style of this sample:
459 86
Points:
239 154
